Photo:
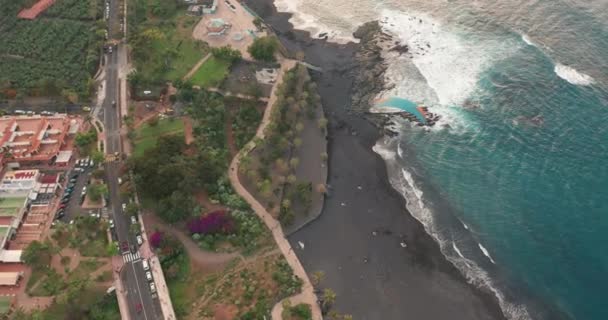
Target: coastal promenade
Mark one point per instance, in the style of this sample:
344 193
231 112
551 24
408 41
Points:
307 295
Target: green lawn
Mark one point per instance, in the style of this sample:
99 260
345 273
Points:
11 206
211 73
147 135
171 56
5 304
11 203
3 231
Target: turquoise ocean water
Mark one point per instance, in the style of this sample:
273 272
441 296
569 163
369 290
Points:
516 188
512 182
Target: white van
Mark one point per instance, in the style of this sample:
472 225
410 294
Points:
145 264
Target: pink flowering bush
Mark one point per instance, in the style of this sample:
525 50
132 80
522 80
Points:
156 239
216 222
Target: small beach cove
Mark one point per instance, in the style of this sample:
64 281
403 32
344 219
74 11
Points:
359 239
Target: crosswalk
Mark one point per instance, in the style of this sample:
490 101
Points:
129 257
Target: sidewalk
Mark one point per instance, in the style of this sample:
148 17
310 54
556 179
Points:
307 295
117 264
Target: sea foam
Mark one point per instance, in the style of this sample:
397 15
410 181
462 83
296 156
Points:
449 63
572 75
486 253
406 185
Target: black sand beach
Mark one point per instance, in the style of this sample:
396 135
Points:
357 239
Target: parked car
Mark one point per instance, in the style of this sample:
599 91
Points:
145 264
73 180
84 190
124 207
91 163
152 287
133 220
65 200
149 276
61 206
139 239
111 223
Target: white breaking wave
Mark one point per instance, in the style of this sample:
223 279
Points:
405 184
527 40
571 75
457 250
399 151
337 20
486 253
464 225
449 64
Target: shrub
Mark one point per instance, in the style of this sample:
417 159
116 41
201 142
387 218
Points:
226 53
156 239
216 222
263 48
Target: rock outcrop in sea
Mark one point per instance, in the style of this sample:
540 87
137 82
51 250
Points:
369 78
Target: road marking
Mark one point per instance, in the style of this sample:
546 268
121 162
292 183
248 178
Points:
140 298
128 257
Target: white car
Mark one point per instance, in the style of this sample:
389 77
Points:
124 207
111 223
84 190
91 163
149 276
119 181
133 220
152 287
139 239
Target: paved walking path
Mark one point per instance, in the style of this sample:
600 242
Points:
238 95
307 295
196 66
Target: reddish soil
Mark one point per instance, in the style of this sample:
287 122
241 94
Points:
225 312
189 136
202 198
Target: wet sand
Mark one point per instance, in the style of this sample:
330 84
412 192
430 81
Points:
357 239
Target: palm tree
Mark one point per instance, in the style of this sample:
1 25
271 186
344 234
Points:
294 162
317 277
328 299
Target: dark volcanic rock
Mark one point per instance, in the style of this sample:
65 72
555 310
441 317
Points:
369 78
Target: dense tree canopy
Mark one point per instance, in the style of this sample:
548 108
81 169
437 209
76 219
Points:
263 48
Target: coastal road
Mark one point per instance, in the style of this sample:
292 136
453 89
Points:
142 303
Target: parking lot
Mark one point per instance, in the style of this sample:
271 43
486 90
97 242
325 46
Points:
74 190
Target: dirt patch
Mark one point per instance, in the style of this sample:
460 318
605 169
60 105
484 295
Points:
189 136
230 135
224 312
145 110
199 258
242 78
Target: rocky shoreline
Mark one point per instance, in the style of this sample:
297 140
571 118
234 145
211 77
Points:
369 77
357 240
